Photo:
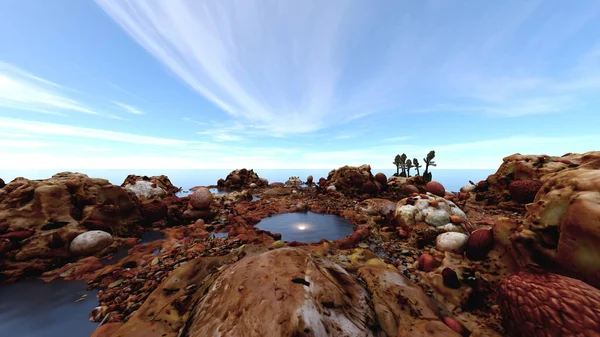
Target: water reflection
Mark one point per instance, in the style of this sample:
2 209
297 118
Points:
307 226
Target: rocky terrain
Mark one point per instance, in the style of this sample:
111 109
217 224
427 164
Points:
514 255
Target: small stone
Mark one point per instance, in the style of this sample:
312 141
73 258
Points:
450 278
90 242
451 242
331 188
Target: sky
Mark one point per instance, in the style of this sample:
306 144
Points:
125 84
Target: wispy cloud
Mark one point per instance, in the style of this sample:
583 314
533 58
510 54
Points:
191 120
24 91
282 65
128 108
60 131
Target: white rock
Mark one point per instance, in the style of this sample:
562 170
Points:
451 242
407 214
450 228
144 190
436 217
90 242
468 188
252 185
421 209
331 188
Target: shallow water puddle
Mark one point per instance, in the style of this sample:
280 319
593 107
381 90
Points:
307 226
34 308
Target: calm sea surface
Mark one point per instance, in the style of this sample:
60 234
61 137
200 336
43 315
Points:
453 180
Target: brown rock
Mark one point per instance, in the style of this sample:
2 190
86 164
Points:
480 242
450 278
436 188
370 188
410 189
55 211
17 235
106 330
545 304
154 210
202 198
2 184
524 191
427 262
5 246
410 307
381 178
309 180
353 181
161 181
285 283
563 222
428 329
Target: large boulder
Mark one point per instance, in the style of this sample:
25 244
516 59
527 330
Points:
150 186
202 198
2 184
563 222
351 180
528 167
430 209
284 292
239 179
54 211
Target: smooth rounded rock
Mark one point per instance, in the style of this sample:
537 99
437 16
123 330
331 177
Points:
451 242
201 198
436 188
90 242
331 188
468 188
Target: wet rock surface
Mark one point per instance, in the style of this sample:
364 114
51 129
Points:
476 263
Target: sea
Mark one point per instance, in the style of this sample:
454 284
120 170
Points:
452 179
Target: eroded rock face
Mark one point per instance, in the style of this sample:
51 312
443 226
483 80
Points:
54 211
402 308
545 304
353 180
156 184
242 178
563 222
528 167
145 190
284 292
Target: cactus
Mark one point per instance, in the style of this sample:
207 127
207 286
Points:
408 166
397 162
403 165
416 165
428 162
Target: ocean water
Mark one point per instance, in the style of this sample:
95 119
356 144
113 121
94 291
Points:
452 180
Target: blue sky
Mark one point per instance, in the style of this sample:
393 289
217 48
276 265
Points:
294 84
